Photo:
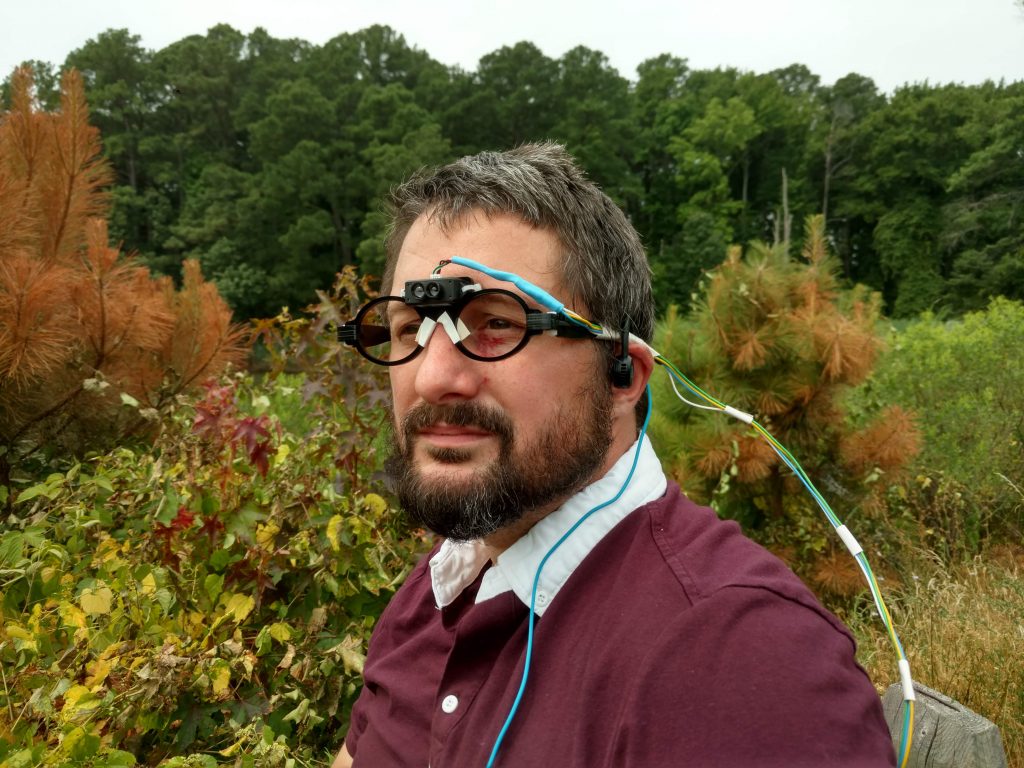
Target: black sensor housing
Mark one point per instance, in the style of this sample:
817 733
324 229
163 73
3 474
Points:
435 290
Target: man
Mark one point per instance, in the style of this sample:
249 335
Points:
660 635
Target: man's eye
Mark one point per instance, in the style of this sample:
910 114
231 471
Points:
405 330
497 324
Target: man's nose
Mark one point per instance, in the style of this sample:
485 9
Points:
443 373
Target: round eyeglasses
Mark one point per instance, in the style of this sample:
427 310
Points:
489 325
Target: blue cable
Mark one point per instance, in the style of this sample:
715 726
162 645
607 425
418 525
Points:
539 294
902 756
547 300
536 581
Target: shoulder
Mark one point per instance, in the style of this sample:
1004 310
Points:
412 604
707 554
398 633
748 651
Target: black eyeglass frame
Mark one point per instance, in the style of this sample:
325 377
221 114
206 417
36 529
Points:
537 322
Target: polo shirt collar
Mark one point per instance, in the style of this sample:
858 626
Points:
457 564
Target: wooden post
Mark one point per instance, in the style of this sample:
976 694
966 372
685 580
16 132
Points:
946 733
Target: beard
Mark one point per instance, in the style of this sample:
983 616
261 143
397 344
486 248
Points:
525 477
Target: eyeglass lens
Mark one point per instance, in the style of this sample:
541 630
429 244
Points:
489 326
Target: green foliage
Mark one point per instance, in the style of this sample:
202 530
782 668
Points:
982 222
905 239
209 600
965 380
699 248
920 189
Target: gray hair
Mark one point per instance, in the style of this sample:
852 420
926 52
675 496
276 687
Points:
605 266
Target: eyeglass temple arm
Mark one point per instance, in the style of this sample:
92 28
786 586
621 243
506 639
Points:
347 333
539 322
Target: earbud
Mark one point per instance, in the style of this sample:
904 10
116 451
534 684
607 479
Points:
622 367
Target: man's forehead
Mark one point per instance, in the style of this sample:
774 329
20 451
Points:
498 240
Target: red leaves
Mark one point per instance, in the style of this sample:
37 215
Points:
183 519
212 527
166 533
206 422
248 431
217 421
260 457
219 401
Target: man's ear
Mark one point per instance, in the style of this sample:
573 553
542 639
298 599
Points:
625 394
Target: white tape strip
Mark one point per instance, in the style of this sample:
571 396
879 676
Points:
423 334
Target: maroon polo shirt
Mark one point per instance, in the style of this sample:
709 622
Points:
676 642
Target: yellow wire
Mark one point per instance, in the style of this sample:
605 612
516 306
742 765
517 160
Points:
910 735
872 581
580 318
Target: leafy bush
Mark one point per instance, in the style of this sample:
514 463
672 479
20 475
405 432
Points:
966 380
207 600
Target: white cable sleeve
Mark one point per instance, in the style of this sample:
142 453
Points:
637 340
908 682
849 540
743 416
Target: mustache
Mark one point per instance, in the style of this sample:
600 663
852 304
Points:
465 414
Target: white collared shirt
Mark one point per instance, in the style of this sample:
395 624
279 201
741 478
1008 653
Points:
457 564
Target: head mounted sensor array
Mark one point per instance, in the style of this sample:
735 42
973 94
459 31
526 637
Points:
484 324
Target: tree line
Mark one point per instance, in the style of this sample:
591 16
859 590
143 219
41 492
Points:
267 159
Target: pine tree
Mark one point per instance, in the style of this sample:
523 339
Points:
91 346
777 337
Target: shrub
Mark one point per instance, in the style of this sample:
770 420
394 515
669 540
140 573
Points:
209 600
966 380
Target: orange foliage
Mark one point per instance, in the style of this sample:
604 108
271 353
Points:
778 337
886 443
837 573
755 460
81 325
714 455
846 348
748 352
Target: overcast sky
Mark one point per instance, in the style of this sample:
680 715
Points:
892 41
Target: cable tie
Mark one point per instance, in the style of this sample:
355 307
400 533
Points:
743 416
908 683
849 540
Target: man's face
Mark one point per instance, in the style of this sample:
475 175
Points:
479 445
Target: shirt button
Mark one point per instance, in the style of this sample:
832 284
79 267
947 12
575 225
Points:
449 704
542 599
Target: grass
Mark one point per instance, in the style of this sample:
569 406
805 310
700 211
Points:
962 628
